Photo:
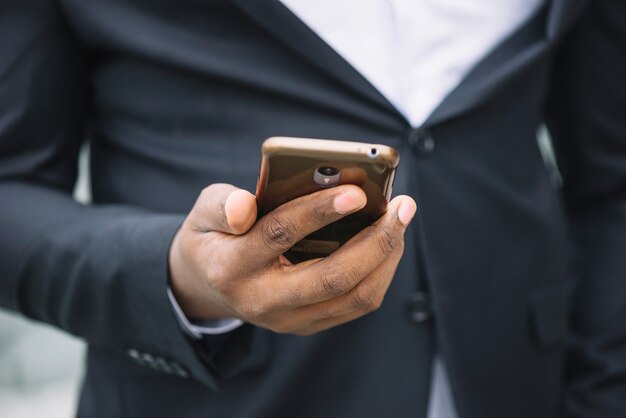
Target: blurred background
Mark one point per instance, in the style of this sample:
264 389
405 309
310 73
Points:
41 368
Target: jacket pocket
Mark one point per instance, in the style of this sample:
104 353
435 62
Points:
550 312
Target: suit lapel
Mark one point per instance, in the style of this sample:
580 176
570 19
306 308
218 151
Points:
562 15
278 20
520 49
511 56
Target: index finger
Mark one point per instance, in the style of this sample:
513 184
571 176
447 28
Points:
280 229
340 272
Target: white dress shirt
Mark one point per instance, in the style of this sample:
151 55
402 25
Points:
414 52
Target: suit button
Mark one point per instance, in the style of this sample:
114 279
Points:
147 360
421 141
163 365
419 307
179 370
138 357
134 354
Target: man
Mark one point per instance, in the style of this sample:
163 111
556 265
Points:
199 315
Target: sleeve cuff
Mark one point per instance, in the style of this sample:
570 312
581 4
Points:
205 327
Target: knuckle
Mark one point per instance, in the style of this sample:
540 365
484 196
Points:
207 193
278 234
320 214
366 298
326 314
378 302
279 330
305 332
400 246
388 240
281 327
336 281
207 206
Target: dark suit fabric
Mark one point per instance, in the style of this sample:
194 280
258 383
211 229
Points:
526 279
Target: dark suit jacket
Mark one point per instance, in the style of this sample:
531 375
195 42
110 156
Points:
175 95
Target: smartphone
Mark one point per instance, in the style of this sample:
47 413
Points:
294 167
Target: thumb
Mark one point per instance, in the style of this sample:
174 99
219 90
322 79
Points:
224 208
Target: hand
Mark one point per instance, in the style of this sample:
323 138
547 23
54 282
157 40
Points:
223 264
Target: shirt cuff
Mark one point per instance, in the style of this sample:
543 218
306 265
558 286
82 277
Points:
203 327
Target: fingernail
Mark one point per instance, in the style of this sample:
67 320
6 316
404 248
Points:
236 211
348 202
406 211
228 206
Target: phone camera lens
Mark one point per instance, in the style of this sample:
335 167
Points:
327 171
326 176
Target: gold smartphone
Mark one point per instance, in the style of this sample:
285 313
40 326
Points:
294 167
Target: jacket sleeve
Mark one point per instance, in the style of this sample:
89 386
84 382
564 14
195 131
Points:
98 272
587 120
